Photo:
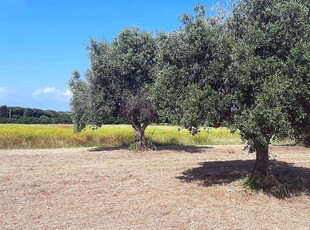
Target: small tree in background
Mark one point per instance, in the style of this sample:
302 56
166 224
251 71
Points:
116 83
80 102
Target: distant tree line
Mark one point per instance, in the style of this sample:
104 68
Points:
19 115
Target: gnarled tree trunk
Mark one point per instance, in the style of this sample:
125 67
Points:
139 131
262 174
262 165
140 139
139 111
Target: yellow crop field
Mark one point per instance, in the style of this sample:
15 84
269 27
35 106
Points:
62 136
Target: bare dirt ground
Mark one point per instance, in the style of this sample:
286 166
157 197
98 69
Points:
172 188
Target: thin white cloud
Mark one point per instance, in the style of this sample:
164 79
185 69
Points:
46 90
54 93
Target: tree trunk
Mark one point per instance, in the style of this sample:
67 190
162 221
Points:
140 138
262 165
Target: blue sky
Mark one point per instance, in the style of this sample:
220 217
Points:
42 42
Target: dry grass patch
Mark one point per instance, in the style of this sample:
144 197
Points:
120 189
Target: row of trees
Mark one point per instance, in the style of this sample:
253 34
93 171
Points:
19 115
247 71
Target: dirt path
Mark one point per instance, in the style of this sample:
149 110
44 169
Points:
180 188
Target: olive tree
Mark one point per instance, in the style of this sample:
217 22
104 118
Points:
191 87
250 72
117 82
270 68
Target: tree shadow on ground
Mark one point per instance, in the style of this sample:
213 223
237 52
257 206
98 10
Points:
180 148
294 179
107 148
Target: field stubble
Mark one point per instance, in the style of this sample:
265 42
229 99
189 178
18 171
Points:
172 188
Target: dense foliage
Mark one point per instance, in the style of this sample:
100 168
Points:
190 88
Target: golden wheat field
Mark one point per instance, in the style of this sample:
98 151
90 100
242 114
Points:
62 136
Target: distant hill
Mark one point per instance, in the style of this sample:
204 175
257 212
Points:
19 115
